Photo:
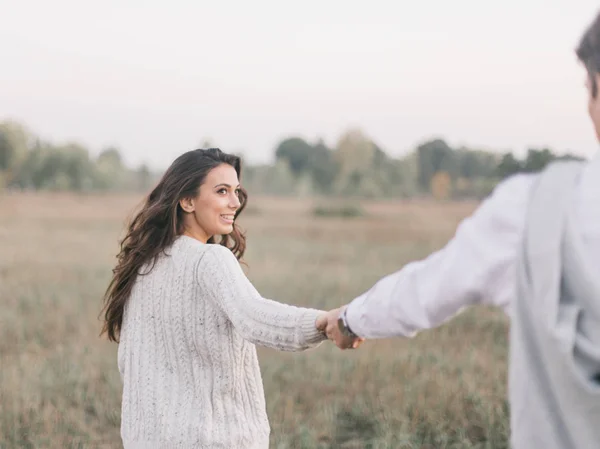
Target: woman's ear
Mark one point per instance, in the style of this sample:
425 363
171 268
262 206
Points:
187 204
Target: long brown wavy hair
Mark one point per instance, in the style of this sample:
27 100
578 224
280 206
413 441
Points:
160 221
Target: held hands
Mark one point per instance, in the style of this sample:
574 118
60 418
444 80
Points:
328 323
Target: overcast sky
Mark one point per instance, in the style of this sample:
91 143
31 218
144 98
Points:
156 80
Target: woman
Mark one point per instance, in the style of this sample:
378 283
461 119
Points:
186 317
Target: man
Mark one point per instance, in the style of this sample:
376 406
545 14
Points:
532 249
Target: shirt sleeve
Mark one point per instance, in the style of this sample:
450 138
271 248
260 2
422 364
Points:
261 321
477 266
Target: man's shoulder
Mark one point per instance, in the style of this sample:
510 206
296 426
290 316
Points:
515 188
524 181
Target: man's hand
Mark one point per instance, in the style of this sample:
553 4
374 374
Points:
328 323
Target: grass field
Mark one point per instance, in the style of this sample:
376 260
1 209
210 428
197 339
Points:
59 384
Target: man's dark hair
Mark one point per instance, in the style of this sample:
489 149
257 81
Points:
588 52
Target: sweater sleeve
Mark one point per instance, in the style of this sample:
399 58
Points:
261 321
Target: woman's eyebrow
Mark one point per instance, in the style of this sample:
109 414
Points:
224 185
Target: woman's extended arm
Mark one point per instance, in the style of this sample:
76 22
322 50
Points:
259 320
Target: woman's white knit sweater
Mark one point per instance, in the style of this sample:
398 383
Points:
186 355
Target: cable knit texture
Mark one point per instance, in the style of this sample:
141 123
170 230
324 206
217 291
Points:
187 354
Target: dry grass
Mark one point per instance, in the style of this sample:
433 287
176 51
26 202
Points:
59 384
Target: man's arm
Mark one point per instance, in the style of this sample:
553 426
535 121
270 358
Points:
478 266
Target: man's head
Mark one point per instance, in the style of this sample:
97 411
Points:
588 53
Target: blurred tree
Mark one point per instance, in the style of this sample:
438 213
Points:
304 158
537 160
26 176
15 141
296 152
78 167
473 164
65 168
323 167
404 174
441 185
508 166
570 157
6 151
278 179
434 156
111 157
144 177
357 158
110 170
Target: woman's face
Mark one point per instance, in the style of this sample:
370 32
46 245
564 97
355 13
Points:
212 211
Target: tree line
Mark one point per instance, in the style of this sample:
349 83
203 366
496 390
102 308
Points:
356 166
29 163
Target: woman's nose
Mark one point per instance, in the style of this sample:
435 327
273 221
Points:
234 202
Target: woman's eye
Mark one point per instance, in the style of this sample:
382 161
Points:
221 191
237 192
